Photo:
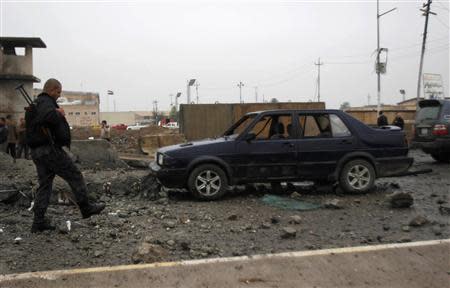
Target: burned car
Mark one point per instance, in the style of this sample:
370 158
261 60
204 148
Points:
285 146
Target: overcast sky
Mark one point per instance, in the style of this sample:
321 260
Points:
145 51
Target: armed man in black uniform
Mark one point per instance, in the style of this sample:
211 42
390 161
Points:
47 131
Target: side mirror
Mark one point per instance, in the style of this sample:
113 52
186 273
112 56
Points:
249 137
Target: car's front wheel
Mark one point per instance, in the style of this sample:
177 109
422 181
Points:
357 176
208 182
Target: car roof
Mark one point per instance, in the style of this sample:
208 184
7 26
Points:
279 111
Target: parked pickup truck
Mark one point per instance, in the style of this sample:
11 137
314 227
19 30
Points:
285 145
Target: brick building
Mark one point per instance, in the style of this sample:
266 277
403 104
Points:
82 108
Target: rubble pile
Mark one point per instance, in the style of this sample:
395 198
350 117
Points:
144 223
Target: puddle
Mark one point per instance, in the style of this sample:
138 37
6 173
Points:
287 203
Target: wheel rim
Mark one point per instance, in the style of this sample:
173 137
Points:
358 177
208 183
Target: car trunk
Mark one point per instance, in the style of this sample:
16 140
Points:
426 118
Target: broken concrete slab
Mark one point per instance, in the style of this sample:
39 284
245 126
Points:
96 153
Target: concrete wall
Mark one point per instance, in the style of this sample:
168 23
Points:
17 64
199 121
11 102
96 153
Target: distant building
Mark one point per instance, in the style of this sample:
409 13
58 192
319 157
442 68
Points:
16 67
82 108
130 117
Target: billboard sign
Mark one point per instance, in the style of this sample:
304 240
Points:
433 87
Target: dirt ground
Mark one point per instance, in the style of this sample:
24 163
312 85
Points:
240 224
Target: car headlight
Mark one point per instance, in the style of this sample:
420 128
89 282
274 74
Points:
160 159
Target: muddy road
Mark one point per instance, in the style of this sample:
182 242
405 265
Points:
241 224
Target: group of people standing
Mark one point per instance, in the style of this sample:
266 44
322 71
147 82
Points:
383 121
12 137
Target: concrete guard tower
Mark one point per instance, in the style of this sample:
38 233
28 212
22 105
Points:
16 69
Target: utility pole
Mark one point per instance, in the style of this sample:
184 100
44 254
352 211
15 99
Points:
171 99
196 89
155 110
318 64
426 13
240 85
378 68
256 94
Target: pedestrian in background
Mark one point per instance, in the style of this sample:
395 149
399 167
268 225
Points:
398 121
12 137
3 134
21 143
105 132
382 120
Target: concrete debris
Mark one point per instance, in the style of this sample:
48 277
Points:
296 195
401 200
150 188
444 209
418 221
295 219
288 232
18 240
148 253
333 204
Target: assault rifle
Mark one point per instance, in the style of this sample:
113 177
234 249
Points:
30 110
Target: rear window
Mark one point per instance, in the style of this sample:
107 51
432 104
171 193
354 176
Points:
428 113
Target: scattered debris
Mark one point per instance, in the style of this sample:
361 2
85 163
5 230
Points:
295 219
17 240
288 232
401 200
148 253
444 209
418 221
289 203
333 204
232 217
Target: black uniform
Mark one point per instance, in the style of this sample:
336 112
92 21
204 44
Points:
382 121
399 122
49 157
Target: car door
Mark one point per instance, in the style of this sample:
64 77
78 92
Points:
324 140
271 154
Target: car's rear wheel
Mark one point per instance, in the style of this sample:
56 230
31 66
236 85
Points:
441 157
208 182
357 176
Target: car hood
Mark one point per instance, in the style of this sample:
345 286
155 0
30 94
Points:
193 144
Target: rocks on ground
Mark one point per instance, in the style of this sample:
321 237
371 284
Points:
148 253
401 200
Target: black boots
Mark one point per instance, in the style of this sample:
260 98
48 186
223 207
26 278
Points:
88 209
41 225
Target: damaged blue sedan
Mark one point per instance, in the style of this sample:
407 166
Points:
325 146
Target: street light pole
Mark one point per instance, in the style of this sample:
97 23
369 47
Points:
240 85
378 68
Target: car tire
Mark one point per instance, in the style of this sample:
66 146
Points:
208 182
441 157
357 176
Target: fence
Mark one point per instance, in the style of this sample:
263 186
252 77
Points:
198 121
